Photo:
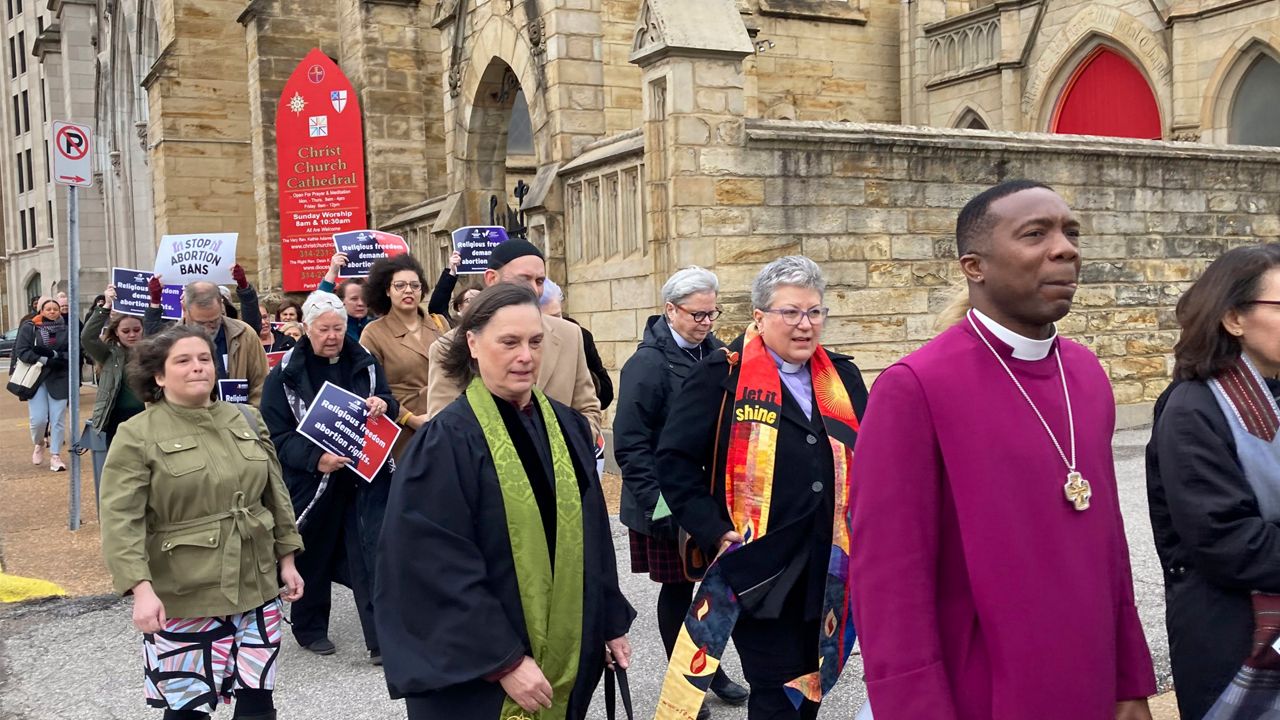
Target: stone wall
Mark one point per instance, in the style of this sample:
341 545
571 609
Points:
875 205
199 126
824 61
278 34
1192 54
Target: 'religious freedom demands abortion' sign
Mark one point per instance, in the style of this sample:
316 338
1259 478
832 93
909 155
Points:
475 245
186 258
234 390
320 168
365 247
133 298
337 421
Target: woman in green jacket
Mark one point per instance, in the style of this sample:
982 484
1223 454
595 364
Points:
109 350
196 524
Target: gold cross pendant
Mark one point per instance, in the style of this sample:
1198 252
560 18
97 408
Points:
1078 491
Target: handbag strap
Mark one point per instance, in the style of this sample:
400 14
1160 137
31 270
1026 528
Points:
618 675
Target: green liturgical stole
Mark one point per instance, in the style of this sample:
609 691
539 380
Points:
552 602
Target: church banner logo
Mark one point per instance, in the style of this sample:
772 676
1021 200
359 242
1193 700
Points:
320 164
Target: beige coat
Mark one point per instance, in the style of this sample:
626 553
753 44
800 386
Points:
406 361
563 375
245 358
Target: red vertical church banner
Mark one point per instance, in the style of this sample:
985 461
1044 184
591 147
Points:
320 161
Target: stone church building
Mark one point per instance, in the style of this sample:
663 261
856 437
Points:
646 135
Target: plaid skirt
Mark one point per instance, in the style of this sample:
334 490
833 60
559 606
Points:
196 662
658 557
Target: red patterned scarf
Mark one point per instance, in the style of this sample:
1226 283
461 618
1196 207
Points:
749 476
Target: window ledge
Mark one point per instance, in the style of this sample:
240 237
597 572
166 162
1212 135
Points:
838 11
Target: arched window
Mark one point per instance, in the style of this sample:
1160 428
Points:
1253 111
1107 95
971 120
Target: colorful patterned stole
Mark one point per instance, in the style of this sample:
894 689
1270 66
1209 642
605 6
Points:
551 601
749 475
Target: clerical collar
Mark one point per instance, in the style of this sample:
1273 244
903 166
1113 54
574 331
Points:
680 339
334 360
1024 348
784 366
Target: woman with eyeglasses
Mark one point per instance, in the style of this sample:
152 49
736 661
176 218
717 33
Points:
674 342
1213 485
754 461
401 337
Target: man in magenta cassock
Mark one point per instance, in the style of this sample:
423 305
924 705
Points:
989 567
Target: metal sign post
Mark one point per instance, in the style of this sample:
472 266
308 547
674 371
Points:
73 348
73 166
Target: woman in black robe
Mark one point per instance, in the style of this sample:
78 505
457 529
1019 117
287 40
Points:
447 576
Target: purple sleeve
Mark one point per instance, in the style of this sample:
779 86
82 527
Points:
897 507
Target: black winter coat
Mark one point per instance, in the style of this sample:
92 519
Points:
650 378
797 544
1213 544
288 391
30 347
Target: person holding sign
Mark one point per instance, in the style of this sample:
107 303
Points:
351 291
239 353
196 525
109 349
563 373
339 514
402 336
496 572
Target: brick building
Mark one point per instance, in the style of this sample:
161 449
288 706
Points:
657 133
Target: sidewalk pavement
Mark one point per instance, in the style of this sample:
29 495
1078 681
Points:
79 657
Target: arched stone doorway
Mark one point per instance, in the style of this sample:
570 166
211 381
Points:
1107 95
501 151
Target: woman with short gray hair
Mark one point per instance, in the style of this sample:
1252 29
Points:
757 447
673 343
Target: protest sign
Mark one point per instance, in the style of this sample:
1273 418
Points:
338 423
233 391
365 247
475 245
274 358
186 258
133 298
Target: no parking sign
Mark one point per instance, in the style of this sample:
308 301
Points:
72 161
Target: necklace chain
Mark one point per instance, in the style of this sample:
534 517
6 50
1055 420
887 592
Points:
1071 423
697 358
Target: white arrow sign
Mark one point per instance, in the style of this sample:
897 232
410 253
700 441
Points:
72 154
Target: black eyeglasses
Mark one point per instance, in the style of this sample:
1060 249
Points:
793 316
1263 302
702 316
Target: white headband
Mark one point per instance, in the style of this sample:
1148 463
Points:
318 303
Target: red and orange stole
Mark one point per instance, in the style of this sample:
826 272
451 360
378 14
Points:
749 476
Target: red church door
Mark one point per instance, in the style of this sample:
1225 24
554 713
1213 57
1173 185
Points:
1107 95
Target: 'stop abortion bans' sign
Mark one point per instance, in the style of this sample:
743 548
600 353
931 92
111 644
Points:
320 164
181 259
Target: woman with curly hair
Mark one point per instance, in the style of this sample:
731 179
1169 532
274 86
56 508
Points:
402 335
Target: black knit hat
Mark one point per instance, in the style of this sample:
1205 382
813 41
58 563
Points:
510 250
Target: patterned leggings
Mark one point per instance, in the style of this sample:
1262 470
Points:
195 662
